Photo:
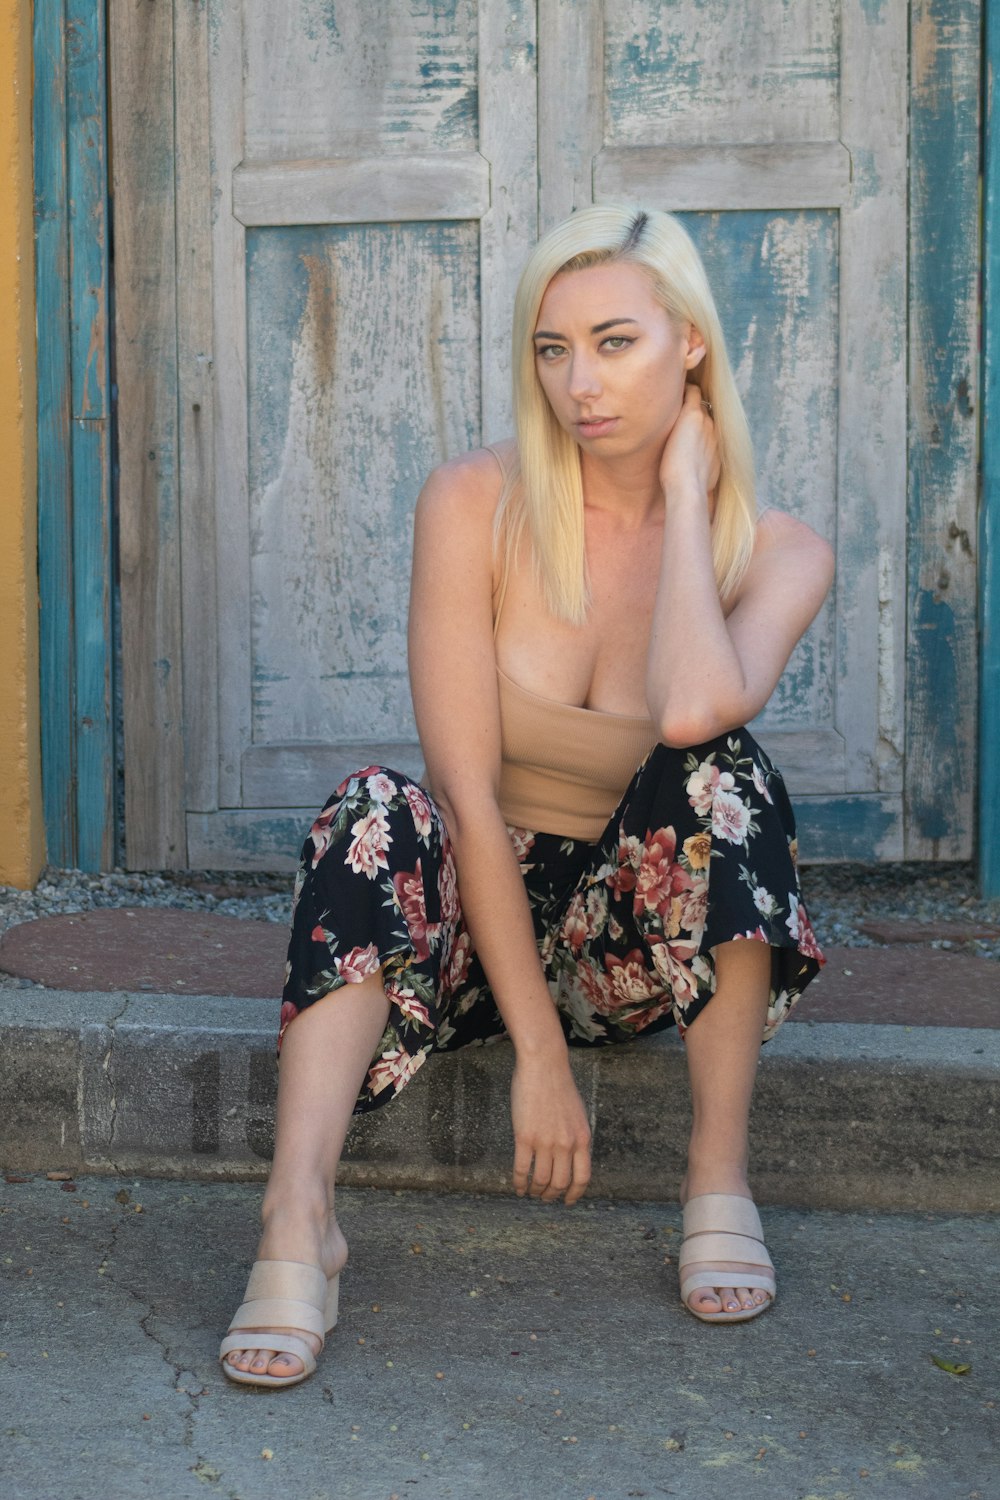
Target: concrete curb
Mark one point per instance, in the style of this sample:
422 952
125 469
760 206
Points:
846 1116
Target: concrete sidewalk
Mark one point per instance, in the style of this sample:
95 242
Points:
492 1348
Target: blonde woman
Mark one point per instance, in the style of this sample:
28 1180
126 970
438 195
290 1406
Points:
600 849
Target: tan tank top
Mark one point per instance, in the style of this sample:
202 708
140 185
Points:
563 769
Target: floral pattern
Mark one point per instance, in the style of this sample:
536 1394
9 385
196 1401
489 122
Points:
700 851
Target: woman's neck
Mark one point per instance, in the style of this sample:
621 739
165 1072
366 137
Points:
630 487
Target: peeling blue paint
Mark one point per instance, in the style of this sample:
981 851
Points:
848 829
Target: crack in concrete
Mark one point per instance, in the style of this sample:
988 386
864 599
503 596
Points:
178 1371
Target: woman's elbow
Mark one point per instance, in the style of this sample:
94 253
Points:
692 724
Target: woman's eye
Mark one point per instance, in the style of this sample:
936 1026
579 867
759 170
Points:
617 341
548 351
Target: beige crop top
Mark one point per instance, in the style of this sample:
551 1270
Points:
563 769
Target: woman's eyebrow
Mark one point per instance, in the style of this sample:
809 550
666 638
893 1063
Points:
543 333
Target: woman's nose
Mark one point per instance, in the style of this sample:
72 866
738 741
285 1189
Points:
584 378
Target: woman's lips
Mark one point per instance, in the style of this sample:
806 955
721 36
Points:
592 427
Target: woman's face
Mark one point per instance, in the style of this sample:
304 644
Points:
611 360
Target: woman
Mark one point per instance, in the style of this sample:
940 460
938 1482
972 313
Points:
597 597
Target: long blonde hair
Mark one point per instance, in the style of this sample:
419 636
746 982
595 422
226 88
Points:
544 495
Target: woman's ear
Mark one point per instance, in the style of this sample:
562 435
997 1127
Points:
696 350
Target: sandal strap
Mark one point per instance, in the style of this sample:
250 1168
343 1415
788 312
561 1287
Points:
281 1343
722 1246
292 1279
723 1213
280 1312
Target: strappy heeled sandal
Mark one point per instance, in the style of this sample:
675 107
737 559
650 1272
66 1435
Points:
721 1229
281 1294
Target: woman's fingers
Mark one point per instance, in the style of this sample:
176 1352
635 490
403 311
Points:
550 1175
581 1175
523 1155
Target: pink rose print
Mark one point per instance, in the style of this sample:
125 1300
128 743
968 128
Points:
394 1067
760 785
358 964
800 927
730 817
320 834
678 978
412 1008
704 785
451 908
372 838
631 981
288 1014
660 877
523 840
458 964
420 809
622 879
409 888
381 788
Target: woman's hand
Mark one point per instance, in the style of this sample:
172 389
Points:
550 1131
690 456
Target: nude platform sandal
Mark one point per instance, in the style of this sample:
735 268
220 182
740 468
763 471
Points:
281 1294
722 1228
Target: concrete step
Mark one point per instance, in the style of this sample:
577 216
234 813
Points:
846 1115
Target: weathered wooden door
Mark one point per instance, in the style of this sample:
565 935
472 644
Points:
355 188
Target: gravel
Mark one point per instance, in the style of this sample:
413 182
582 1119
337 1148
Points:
840 898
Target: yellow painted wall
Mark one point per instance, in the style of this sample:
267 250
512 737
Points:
21 823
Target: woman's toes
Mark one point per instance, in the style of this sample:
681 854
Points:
745 1297
285 1364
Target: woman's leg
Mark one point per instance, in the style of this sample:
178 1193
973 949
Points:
325 1055
723 1046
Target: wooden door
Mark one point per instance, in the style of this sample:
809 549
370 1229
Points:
778 134
346 257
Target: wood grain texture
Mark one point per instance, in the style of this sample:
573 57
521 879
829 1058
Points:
90 434
699 72
341 78
944 381
231 438
55 484
336 461
142 75
872 394
305 775
570 106
507 86
789 175
424 185
988 851
196 410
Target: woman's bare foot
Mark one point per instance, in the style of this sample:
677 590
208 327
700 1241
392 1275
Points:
720 1298
293 1233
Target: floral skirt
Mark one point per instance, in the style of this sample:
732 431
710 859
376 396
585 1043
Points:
700 851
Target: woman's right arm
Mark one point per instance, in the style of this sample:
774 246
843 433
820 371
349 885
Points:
454 681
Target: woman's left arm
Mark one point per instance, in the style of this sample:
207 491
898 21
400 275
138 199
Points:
708 672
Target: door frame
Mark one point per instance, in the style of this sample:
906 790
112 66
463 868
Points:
155 163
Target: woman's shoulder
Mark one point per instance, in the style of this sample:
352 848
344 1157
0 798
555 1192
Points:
785 549
465 490
777 530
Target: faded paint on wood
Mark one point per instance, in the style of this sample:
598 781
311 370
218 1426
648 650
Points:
142 73
872 392
196 415
55 482
944 378
775 277
335 78
428 185
717 71
363 374
790 175
508 134
989 523
75 564
87 177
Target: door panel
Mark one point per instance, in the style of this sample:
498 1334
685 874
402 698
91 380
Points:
778 133
347 252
